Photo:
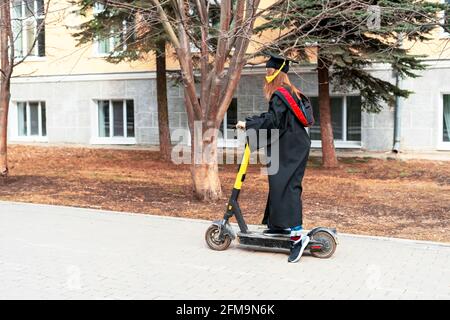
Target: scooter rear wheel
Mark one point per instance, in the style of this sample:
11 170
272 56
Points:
328 242
214 242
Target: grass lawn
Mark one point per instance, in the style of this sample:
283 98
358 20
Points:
405 199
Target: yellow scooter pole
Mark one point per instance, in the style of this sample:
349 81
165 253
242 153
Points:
233 205
242 168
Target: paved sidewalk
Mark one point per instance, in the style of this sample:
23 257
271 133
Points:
49 252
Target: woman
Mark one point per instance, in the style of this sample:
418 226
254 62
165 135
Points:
283 212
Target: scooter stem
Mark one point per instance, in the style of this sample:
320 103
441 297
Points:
242 168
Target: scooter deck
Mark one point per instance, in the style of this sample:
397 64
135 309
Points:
258 240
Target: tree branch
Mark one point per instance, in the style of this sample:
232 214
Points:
166 24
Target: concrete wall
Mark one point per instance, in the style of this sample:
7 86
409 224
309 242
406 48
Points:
377 129
422 111
70 105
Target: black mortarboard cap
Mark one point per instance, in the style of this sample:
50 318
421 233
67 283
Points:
276 61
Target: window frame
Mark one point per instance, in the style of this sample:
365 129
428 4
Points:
95 134
223 141
15 122
34 18
112 44
341 143
441 144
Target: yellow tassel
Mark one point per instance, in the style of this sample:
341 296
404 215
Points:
269 79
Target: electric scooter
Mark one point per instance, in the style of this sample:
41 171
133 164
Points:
323 241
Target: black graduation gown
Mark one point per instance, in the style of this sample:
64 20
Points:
284 203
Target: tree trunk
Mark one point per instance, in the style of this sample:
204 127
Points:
206 182
4 106
329 159
5 80
204 168
165 144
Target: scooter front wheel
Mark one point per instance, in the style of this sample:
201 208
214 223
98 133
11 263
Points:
328 243
212 237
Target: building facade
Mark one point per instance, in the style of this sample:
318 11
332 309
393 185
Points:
64 94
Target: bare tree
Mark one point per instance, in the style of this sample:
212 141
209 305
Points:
9 61
222 57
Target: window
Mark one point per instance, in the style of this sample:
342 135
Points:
345 119
446 119
228 126
353 113
115 119
118 37
28 27
32 119
117 41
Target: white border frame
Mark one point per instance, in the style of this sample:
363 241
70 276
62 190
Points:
441 144
95 139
